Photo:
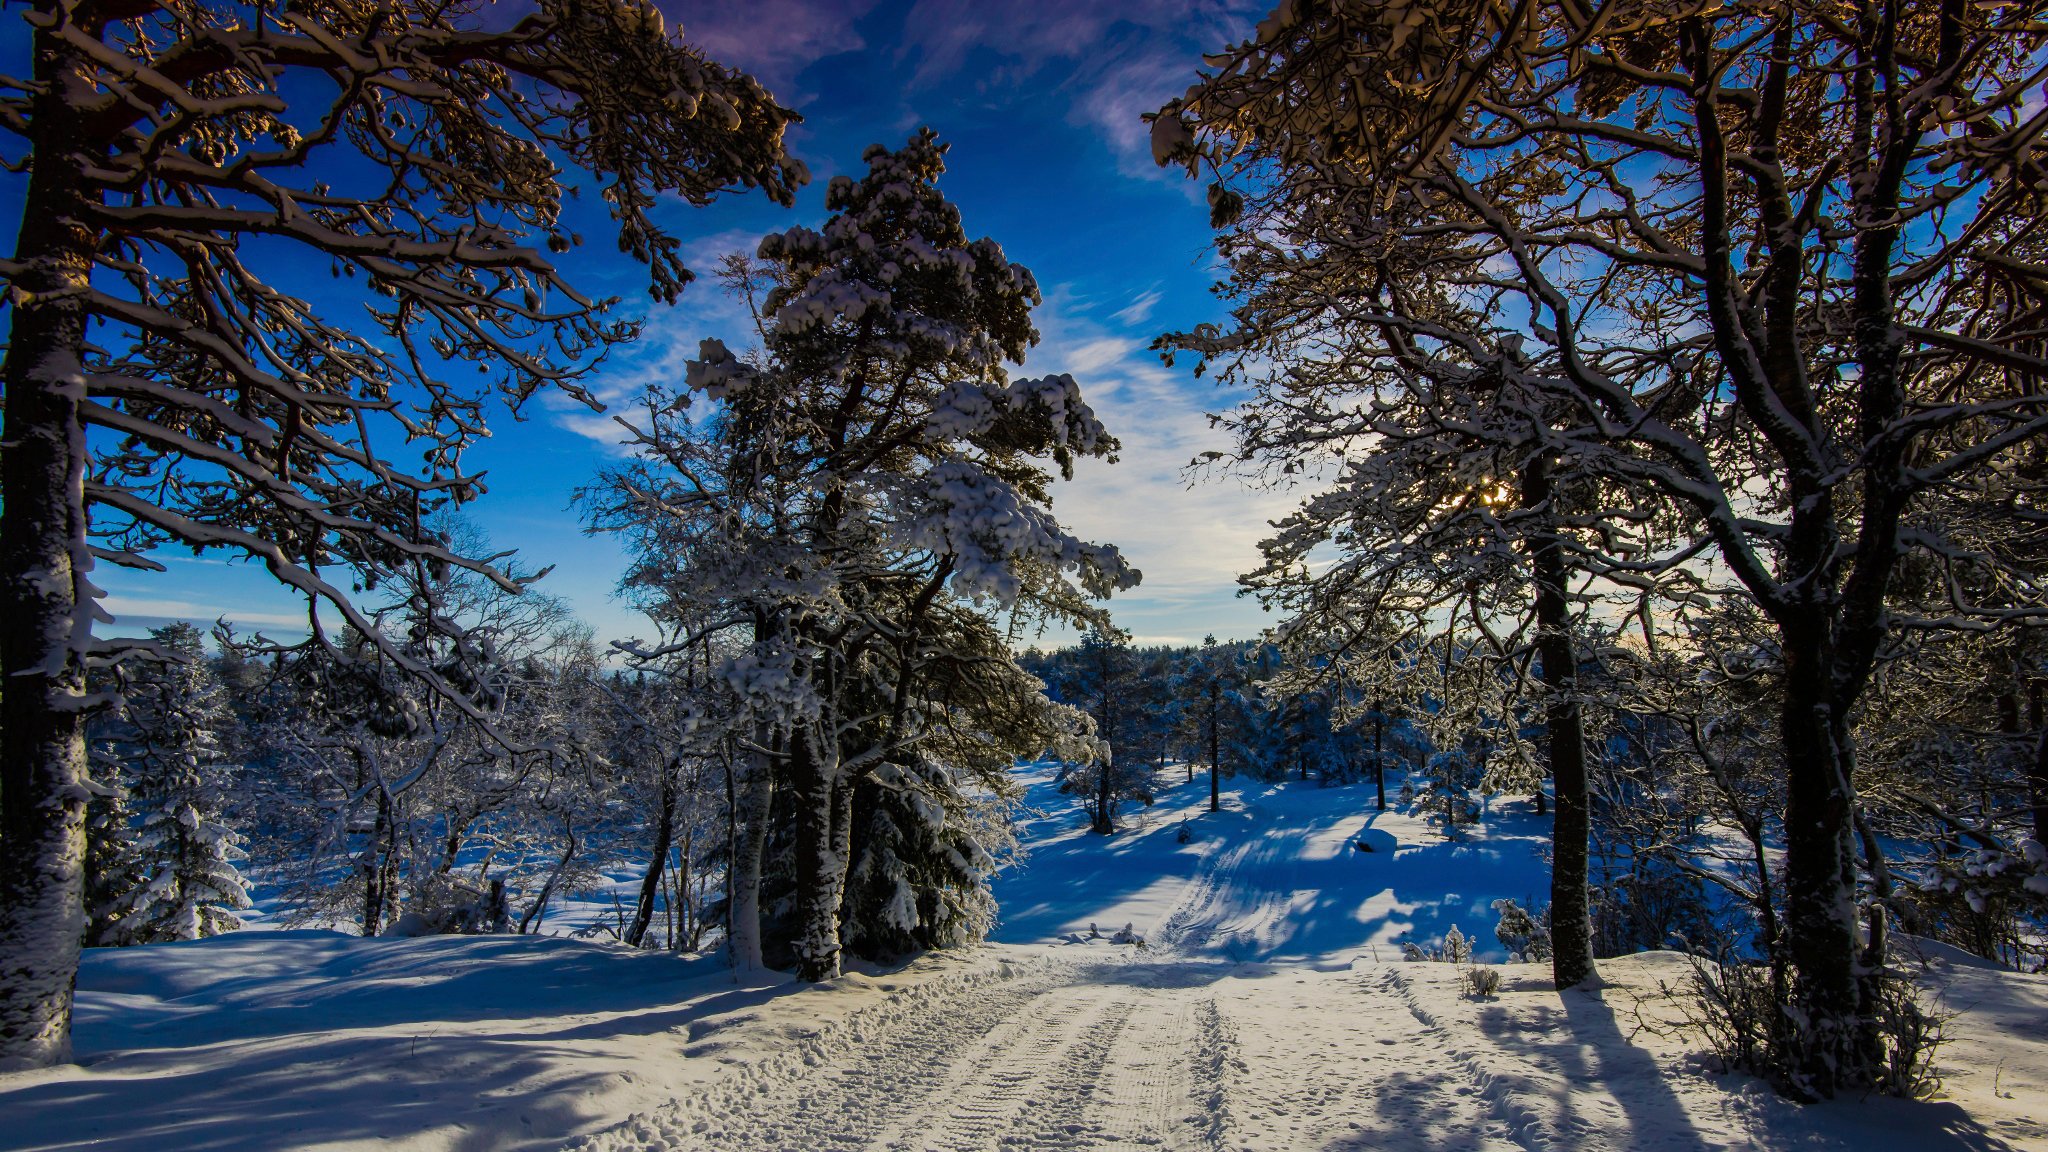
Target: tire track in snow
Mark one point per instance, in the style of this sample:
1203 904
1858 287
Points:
1195 919
833 1092
1146 1096
1033 1095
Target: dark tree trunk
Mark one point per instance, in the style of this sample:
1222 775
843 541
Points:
820 873
1821 916
1379 766
45 624
377 865
1103 823
534 915
1215 759
2037 775
664 835
1571 918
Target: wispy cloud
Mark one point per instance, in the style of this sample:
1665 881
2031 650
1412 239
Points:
1122 60
1138 310
669 337
774 40
1191 535
142 610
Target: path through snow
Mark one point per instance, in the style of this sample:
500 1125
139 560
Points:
1267 1013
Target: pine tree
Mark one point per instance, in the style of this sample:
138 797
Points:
177 750
186 166
117 891
870 483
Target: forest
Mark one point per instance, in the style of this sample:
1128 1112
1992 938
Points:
1658 392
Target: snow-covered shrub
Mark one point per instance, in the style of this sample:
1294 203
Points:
449 904
1989 901
1482 982
1454 948
1526 937
1747 1014
921 861
1457 947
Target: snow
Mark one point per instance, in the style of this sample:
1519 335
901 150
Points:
1267 1010
1274 877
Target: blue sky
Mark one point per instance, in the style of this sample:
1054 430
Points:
1040 102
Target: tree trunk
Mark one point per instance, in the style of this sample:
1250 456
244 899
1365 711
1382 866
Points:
664 833
1103 824
376 867
45 598
820 873
1379 767
534 915
1215 760
743 908
2037 776
1571 917
1820 870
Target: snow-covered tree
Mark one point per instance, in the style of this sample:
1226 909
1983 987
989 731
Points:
1102 676
1812 316
177 745
379 789
183 163
116 887
869 472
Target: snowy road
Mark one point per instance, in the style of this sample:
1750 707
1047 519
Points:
1268 1013
1046 1053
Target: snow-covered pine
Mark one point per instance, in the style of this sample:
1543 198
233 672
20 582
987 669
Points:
1524 935
1457 948
228 415
178 746
116 887
923 850
1735 444
842 508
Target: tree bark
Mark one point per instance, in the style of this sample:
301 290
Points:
2037 775
1571 918
664 834
377 869
820 872
1215 760
45 596
1103 824
743 909
1820 869
1379 770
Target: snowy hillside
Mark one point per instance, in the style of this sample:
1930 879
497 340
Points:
1267 1010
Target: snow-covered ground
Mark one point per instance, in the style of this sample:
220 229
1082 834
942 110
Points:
1267 1011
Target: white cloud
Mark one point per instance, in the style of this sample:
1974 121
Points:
1190 536
126 608
1138 310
